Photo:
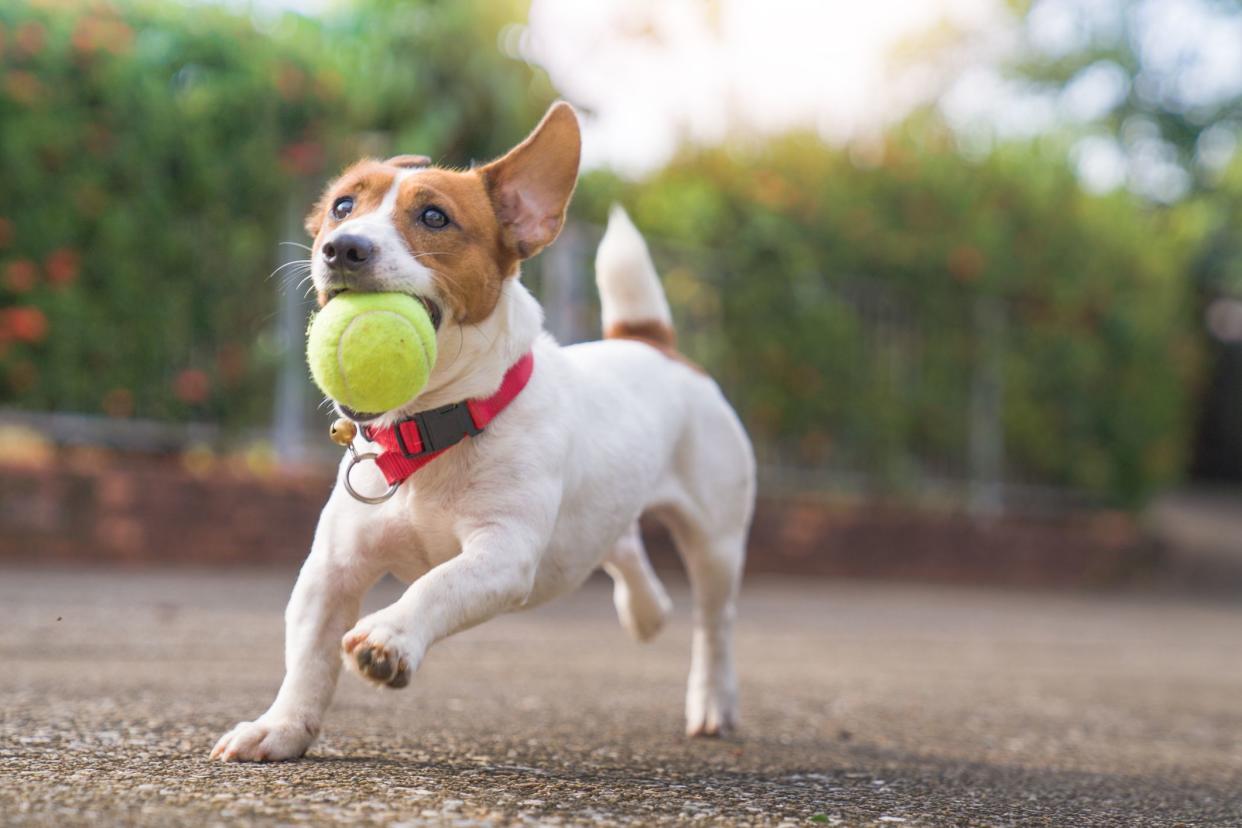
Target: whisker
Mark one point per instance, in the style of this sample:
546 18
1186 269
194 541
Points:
293 262
296 244
294 265
296 272
302 262
294 279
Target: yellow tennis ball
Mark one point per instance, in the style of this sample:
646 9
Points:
371 352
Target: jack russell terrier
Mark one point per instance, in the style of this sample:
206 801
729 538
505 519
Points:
528 464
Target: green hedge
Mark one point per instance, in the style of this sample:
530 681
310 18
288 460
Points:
837 298
150 156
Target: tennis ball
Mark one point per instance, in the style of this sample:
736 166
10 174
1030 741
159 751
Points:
371 351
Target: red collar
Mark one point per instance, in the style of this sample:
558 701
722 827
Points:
412 443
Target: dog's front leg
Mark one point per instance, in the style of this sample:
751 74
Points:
324 604
494 573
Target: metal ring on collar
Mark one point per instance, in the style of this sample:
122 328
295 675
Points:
355 460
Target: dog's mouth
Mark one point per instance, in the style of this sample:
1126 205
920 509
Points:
436 315
433 310
357 416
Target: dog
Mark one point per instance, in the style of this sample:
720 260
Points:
524 509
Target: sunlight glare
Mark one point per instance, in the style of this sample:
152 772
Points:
650 73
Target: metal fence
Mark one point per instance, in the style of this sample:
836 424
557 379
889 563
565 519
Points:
959 459
966 469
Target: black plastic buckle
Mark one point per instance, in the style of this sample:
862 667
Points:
438 429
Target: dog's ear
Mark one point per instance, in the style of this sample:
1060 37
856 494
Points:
530 187
409 161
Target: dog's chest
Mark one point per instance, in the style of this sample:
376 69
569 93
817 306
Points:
413 536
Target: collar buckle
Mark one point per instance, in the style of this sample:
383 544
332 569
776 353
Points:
437 429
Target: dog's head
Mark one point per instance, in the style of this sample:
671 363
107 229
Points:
453 239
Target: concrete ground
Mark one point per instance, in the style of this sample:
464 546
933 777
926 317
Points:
862 704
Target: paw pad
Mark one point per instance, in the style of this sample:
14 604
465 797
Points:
380 665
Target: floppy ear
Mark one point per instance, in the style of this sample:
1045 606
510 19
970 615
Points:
531 185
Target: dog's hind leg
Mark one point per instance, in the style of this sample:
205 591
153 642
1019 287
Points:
642 603
714 563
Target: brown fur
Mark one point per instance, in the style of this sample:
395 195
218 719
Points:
469 257
531 185
366 181
654 333
501 213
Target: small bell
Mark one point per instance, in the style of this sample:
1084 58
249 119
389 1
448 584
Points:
343 432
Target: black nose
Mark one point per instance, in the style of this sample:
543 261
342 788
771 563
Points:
348 252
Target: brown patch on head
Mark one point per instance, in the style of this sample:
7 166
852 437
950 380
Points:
366 182
497 215
466 256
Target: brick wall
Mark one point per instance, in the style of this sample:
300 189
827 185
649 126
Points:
133 508
78 506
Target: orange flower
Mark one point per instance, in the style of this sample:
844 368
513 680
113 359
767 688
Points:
23 376
24 324
20 276
98 139
83 37
23 87
101 34
62 266
192 386
290 81
303 158
119 402
29 38
231 362
966 263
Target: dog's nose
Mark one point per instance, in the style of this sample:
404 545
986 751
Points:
348 252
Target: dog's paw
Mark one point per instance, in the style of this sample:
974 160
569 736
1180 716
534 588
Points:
711 709
713 721
264 741
378 654
644 613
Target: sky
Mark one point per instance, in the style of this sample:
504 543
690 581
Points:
650 74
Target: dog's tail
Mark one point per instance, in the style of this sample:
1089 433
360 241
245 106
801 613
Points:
633 303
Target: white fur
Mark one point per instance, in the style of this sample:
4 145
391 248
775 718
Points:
552 490
628 285
394 268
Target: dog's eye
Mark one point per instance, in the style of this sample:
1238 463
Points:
434 218
342 207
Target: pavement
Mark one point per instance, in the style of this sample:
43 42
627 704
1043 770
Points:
862 704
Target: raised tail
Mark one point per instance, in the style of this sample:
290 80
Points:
633 302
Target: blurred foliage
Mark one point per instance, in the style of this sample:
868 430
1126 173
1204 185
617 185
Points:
1176 122
838 295
1156 103
149 161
